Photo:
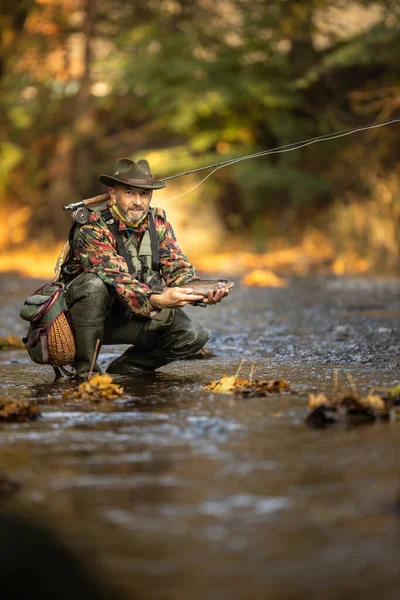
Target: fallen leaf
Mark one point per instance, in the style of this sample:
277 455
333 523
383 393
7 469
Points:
315 400
11 342
225 385
348 407
99 387
17 410
258 388
375 402
249 388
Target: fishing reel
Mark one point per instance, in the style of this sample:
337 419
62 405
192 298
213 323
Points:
80 215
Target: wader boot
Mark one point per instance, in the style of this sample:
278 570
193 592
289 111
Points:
169 336
89 300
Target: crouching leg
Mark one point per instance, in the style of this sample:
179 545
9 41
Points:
169 336
89 300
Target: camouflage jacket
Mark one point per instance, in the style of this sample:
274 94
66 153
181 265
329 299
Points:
94 250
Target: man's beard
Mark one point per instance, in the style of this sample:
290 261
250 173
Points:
127 216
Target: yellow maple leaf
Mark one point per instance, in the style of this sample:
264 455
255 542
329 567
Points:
225 385
315 400
374 401
222 386
100 385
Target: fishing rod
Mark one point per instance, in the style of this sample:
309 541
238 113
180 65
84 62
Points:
231 161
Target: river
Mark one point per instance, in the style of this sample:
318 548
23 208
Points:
174 493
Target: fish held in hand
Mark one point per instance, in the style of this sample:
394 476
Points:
202 287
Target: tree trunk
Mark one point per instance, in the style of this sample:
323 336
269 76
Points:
71 166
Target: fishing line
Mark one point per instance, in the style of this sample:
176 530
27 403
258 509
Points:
194 187
279 150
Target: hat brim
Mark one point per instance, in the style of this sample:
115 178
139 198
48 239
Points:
110 181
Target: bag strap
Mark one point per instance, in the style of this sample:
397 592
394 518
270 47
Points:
113 227
69 253
155 250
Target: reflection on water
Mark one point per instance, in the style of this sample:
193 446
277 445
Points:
175 493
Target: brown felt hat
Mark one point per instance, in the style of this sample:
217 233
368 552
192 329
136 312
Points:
134 174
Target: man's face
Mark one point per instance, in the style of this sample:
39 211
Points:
132 203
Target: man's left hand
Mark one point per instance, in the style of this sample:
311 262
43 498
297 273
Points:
215 297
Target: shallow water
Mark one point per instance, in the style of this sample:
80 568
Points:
177 493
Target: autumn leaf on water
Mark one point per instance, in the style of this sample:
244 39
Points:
97 388
316 400
17 410
239 386
390 395
101 385
375 402
247 387
225 385
347 406
11 342
253 388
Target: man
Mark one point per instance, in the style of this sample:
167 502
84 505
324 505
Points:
115 259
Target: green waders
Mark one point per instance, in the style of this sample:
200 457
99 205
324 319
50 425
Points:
96 313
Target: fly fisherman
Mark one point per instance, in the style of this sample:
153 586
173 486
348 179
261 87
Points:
115 258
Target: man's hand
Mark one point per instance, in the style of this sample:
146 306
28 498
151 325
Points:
175 297
215 297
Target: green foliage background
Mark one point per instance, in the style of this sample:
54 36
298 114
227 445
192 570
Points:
194 83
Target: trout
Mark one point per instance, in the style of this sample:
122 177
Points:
202 287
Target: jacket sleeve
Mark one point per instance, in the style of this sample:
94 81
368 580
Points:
96 249
175 268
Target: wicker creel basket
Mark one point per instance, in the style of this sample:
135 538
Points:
61 342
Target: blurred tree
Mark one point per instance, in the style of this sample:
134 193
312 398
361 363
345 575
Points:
85 82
